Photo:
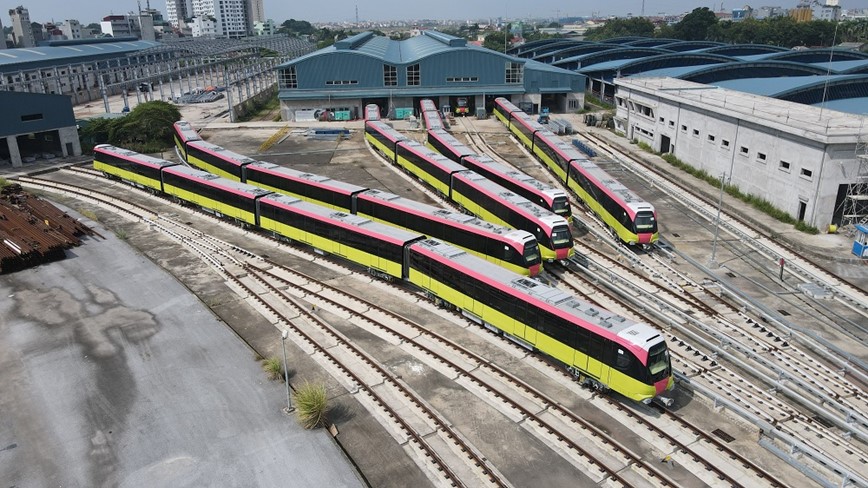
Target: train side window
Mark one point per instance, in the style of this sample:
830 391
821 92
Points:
622 359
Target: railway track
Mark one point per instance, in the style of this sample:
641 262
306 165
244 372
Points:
227 257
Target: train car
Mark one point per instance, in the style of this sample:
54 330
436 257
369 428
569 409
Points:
183 134
217 160
506 176
427 105
432 120
376 246
372 112
210 192
432 168
631 219
383 138
139 170
516 250
601 348
309 187
494 203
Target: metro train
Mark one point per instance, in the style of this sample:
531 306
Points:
372 111
514 249
631 219
508 177
431 116
600 348
184 133
473 192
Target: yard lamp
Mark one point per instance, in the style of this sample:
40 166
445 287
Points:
289 407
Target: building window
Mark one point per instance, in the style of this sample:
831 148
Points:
288 78
695 132
573 104
671 123
514 73
390 75
661 119
710 138
31 117
743 150
724 143
806 174
462 79
342 82
761 157
414 75
784 166
683 128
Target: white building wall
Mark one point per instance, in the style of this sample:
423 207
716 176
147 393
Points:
779 166
71 29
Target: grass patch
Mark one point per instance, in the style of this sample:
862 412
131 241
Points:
89 214
756 202
4 183
121 234
593 100
259 109
312 405
273 368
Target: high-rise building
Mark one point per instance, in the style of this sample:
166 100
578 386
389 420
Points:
2 37
177 11
120 26
71 29
256 10
232 18
21 28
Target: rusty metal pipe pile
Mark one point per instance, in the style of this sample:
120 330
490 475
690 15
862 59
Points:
33 231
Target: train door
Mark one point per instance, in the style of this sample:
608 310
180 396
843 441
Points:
595 353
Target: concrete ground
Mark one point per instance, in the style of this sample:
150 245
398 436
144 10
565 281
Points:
113 381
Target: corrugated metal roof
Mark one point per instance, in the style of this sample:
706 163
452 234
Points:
398 92
771 87
11 57
847 105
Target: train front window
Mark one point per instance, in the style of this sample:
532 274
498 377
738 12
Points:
645 222
560 205
561 236
531 253
658 362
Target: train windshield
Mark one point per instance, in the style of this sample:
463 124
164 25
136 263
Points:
561 237
531 253
561 206
658 362
645 222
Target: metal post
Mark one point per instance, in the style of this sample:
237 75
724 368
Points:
712 263
289 407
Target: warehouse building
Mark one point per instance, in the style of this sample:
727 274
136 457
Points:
36 126
806 160
369 69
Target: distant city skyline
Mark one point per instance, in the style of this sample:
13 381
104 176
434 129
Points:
345 10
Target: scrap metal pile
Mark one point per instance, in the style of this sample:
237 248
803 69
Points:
33 231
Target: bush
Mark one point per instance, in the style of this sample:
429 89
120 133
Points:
312 405
273 367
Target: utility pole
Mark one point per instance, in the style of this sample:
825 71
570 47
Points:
712 263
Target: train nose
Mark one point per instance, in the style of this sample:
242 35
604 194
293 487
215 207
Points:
562 253
661 386
535 269
644 238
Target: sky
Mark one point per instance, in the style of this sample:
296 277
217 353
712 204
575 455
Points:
87 11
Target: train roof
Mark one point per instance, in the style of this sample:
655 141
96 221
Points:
567 305
427 104
568 151
223 153
521 204
527 121
433 120
457 147
372 111
457 218
214 180
138 157
432 155
185 130
516 175
614 186
386 130
509 106
319 180
368 226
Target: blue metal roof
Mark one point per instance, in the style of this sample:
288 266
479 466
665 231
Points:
848 105
14 59
844 67
771 86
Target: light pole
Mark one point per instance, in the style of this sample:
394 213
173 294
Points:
289 407
712 263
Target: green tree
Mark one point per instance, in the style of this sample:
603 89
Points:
496 41
296 28
147 128
695 25
635 26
